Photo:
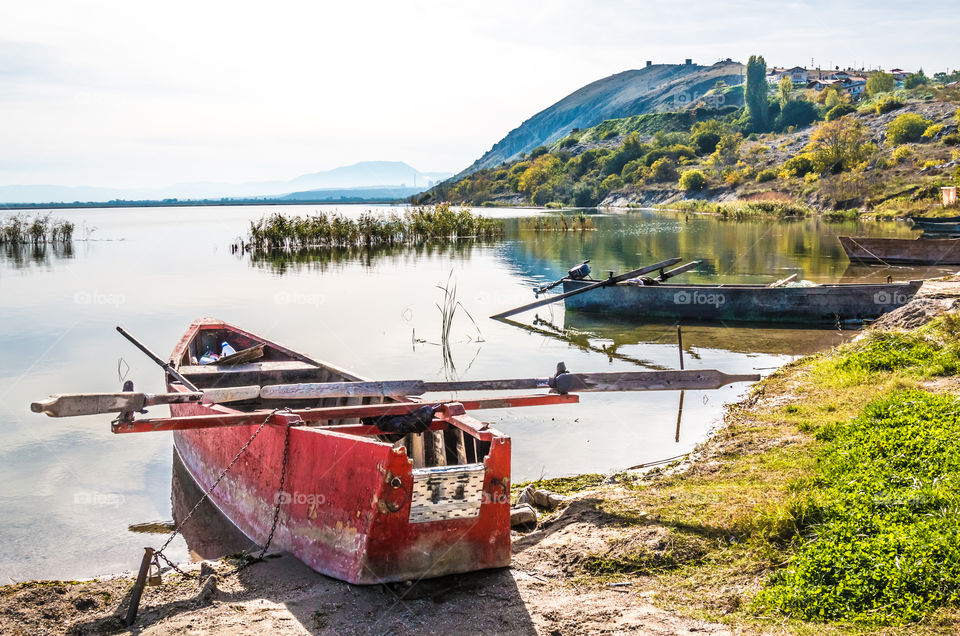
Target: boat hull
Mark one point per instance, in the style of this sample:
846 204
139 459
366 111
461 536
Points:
821 305
353 507
927 251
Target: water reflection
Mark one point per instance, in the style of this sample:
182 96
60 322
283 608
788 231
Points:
323 259
27 255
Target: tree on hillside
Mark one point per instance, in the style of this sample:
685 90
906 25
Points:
755 93
916 79
785 87
880 82
798 113
838 145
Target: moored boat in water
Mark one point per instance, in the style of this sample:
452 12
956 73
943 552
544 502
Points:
919 251
825 304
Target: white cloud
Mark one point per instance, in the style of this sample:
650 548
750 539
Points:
128 94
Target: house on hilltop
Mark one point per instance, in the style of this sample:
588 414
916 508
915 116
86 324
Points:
797 74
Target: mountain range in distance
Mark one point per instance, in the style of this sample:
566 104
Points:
364 180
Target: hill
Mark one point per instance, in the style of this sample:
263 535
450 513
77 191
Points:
656 88
888 156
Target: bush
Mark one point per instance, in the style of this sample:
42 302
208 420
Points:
797 113
583 196
613 182
932 131
692 181
705 141
542 195
888 104
663 170
953 139
766 175
798 166
902 153
538 151
839 111
906 127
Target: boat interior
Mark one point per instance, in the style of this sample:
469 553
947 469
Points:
258 362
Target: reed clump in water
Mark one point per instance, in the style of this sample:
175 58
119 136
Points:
415 226
38 230
579 222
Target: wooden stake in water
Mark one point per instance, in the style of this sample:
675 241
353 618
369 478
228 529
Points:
680 345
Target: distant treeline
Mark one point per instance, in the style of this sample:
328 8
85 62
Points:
171 203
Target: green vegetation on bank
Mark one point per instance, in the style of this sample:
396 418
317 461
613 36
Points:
417 225
831 496
38 230
742 209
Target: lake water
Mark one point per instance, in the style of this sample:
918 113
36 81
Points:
69 489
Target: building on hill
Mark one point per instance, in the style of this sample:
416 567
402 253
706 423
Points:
899 75
797 74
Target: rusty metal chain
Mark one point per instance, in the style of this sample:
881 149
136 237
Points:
206 495
279 496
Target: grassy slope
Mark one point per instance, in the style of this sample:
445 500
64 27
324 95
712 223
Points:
746 509
908 185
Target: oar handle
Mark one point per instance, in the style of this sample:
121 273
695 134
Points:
74 404
150 354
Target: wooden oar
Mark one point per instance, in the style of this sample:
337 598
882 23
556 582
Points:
165 365
677 271
561 383
613 280
300 417
783 281
71 404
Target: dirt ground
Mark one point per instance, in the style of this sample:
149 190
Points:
538 594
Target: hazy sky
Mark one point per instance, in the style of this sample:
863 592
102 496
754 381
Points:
147 94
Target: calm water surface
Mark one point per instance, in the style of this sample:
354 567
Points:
69 489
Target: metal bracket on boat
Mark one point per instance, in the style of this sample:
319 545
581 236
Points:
556 383
126 417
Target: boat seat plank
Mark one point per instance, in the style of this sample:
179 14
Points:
247 367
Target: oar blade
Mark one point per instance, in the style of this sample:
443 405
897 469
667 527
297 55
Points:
693 379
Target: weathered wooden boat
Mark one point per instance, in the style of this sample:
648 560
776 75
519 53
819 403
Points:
920 251
360 506
356 478
819 304
933 221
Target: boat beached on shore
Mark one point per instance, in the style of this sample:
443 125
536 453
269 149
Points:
361 480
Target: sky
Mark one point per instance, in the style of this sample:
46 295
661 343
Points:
142 94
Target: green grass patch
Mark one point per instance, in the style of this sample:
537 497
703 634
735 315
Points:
743 209
564 485
887 548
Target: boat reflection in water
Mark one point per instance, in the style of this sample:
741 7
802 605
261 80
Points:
615 337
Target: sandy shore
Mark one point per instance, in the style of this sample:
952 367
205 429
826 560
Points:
282 596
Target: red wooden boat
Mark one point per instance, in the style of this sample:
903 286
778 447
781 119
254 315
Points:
356 505
360 486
